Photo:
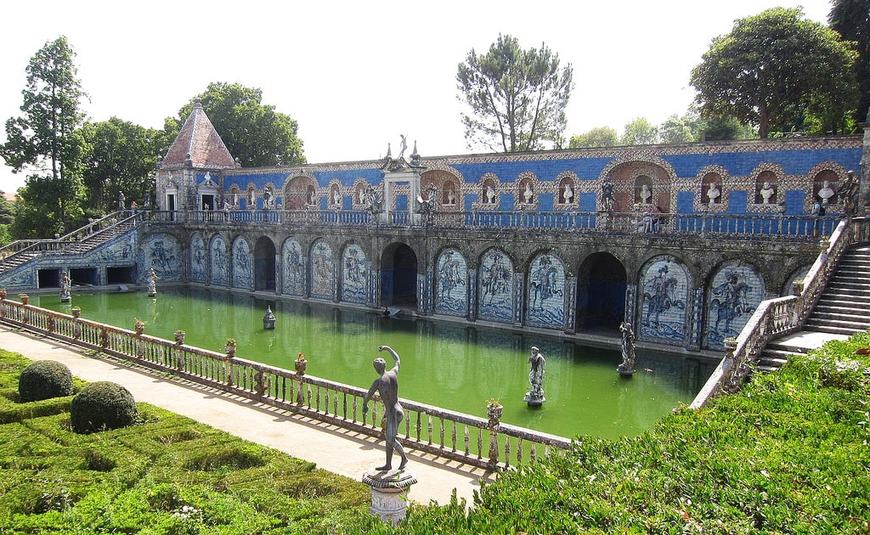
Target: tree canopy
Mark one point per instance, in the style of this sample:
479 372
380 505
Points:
254 132
602 136
44 142
640 132
851 19
516 97
774 67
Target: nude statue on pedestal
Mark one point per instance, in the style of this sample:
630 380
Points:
387 386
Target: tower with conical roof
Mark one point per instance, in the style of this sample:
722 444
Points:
193 165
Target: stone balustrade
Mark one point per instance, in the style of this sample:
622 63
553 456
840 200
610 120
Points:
482 442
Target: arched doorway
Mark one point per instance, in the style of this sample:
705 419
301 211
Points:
399 276
601 285
264 264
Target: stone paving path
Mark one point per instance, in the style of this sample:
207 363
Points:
330 447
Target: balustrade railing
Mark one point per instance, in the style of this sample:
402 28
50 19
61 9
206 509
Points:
482 442
776 317
730 225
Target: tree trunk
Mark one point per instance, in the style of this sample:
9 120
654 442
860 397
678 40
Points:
763 122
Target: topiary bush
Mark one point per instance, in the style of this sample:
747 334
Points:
43 380
102 405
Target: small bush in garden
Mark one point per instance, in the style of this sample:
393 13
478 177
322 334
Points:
94 460
43 380
102 405
232 457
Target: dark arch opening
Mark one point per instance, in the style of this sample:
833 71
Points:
399 276
601 285
264 264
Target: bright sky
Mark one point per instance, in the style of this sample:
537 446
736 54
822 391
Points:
356 75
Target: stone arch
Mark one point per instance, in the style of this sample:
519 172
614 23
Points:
795 277
198 259
243 268
355 271
446 182
664 299
546 291
399 267
490 187
293 264
300 192
359 190
335 195
495 288
322 266
602 280
162 252
264 264
220 271
451 283
627 178
830 174
733 293
567 194
771 174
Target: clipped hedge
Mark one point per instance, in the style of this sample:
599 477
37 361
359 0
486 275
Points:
102 405
44 379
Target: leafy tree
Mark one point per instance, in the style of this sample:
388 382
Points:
724 128
253 132
516 97
640 132
602 136
770 66
120 156
44 142
6 217
851 19
680 129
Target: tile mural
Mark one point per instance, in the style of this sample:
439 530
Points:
198 264
664 299
451 284
322 271
294 268
734 294
546 301
798 275
496 287
354 275
163 253
219 264
243 269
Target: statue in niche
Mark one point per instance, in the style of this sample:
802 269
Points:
336 196
645 194
268 198
848 192
309 200
607 197
535 396
567 193
826 193
387 386
361 196
235 199
767 193
489 194
427 205
451 196
252 199
626 368
713 194
528 194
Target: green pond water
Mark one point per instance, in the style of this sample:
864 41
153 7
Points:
443 363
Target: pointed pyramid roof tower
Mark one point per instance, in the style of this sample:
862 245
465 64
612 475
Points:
198 145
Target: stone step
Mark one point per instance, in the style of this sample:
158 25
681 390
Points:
766 368
848 288
851 276
846 324
784 348
832 330
857 262
840 316
846 301
858 311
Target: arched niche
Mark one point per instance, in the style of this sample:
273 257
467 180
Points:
825 185
243 268
449 196
567 191
198 259
546 292
354 274
293 262
733 294
495 288
766 188
712 189
219 262
300 192
663 301
322 265
451 283
264 264
628 179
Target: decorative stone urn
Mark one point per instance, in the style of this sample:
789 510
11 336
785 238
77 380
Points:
25 299
139 327
300 364
494 410
230 348
269 319
76 312
3 294
389 493
179 337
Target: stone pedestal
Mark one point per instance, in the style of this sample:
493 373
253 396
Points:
389 493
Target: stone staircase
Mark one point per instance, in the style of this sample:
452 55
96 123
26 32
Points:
98 239
842 310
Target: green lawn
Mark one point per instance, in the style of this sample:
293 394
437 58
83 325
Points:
167 474
790 453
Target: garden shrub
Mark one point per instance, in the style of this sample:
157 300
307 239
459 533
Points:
95 460
232 457
44 380
102 405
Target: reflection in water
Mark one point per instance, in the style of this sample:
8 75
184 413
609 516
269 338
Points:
446 364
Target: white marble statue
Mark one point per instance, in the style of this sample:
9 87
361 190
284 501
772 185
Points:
310 197
713 194
363 196
336 197
528 194
568 193
645 194
767 193
451 197
826 192
489 194
252 199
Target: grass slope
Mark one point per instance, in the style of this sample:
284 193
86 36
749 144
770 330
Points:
167 474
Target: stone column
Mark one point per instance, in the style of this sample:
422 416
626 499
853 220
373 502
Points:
376 288
279 272
570 304
471 288
696 325
389 493
519 299
630 292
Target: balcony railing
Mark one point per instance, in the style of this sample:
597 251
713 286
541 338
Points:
719 224
482 442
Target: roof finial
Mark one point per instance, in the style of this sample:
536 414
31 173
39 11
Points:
197 105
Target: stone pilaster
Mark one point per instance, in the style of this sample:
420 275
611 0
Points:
570 304
630 292
279 273
471 288
696 326
519 299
